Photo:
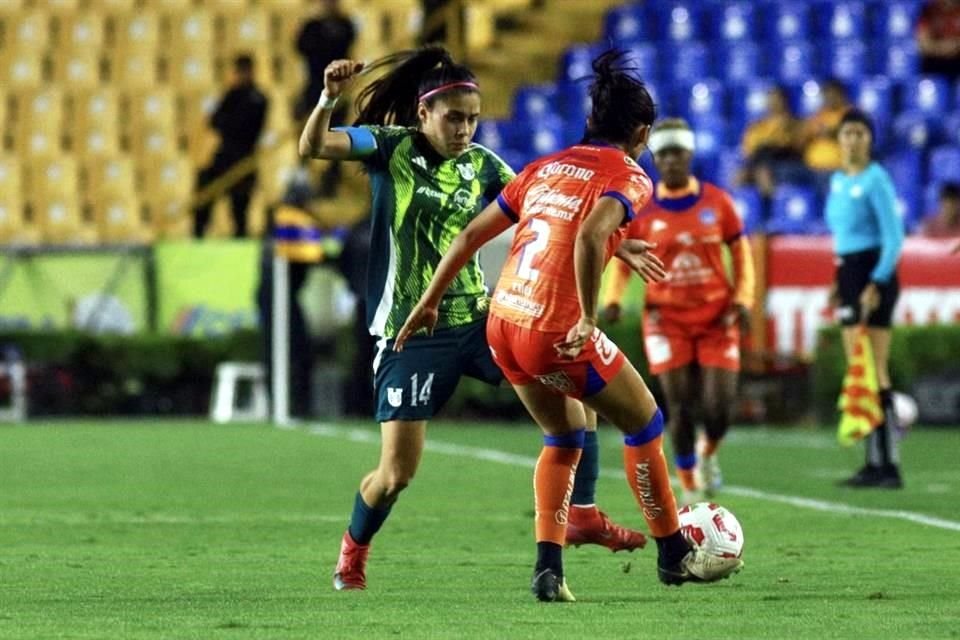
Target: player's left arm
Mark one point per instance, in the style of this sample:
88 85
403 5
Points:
491 222
744 273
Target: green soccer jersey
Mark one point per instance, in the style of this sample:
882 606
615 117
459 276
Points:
421 202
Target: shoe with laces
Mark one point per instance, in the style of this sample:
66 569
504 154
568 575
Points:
589 525
350 573
548 587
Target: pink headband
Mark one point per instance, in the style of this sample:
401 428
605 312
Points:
466 84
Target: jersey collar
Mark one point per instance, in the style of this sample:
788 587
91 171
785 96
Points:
678 199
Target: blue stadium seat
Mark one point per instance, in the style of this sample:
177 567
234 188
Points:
749 207
916 129
705 98
905 168
875 96
951 127
795 210
910 207
573 100
795 62
931 200
514 158
944 164
902 61
839 20
532 103
646 59
749 102
734 22
927 94
808 98
498 135
691 62
847 60
729 163
742 62
546 137
576 60
787 21
625 24
711 133
678 22
894 19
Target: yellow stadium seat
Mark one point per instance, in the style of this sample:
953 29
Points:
62 6
39 124
77 69
51 178
276 167
92 109
168 185
191 71
154 142
155 108
110 178
80 31
135 33
227 7
60 221
111 6
12 221
21 70
247 32
119 219
134 71
279 125
102 141
11 7
29 32
192 31
10 176
171 6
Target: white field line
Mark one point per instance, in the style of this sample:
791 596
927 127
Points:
517 460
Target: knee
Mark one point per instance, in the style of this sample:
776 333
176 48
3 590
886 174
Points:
394 481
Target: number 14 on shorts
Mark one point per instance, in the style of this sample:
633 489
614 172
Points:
419 393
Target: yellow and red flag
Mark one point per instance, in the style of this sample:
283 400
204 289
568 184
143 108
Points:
859 403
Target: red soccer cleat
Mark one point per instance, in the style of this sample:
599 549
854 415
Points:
350 571
589 525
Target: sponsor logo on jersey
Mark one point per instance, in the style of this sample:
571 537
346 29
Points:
432 193
464 199
567 170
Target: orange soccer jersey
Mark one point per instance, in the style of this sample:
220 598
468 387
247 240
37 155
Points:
549 200
690 228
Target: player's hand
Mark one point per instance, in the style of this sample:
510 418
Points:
421 317
638 254
612 313
738 314
338 75
577 336
869 300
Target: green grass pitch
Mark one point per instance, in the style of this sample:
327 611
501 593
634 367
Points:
189 530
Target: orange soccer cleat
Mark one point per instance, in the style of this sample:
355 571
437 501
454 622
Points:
589 525
350 571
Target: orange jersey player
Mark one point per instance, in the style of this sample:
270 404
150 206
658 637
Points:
693 316
571 209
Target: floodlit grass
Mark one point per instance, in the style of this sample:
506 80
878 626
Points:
189 530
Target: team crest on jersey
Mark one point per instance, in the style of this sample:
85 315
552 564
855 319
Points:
395 396
629 161
467 171
708 216
464 199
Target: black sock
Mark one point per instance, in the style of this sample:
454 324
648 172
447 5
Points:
671 549
550 556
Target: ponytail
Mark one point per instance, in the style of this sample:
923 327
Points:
420 75
621 102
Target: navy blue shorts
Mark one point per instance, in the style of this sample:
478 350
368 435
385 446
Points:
853 276
415 383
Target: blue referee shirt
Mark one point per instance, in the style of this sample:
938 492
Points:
862 215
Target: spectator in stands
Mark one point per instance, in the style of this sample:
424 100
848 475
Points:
327 35
945 223
938 38
771 146
821 152
239 119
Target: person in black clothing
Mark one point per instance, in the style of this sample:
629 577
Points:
239 119
325 37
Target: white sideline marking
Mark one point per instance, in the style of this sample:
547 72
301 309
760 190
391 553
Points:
517 460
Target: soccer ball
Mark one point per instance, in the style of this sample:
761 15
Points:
905 409
718 533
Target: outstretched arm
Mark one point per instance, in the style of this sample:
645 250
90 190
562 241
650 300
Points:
491 222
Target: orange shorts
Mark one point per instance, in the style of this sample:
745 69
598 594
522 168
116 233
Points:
670 344
527 355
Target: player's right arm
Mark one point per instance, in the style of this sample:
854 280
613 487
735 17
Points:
491 222
317 140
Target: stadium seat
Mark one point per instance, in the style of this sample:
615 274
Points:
875 96
742 63
134 71
808 98
930 202
60 221
787 21
733 23
191 70
910 207
625 24
647 60
951 127
135 33
192 32
39 129
100 141
112 6
840 19
750 102
80 32
729 164
690 63
533 103
905 168
894 19
680 22
916 129
497 135
153 108
749 207
847 60
576 60
795 210
944 164
77 69
902 61
118 219
795 62
574 102
29 34
11 176
62 6
13 224
168 184
48 178
705 98
247 31
21 71
112 177
546 138
927 94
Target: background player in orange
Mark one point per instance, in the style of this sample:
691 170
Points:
572 209
692 318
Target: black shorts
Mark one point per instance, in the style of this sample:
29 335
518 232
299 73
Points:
853 275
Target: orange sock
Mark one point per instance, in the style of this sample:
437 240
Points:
688 479
552 485
647 474
710 447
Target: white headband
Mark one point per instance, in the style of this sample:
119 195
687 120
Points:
666 138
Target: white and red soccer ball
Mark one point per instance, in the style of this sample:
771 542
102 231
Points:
717 532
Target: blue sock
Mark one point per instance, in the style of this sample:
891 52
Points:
365 520
585 481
